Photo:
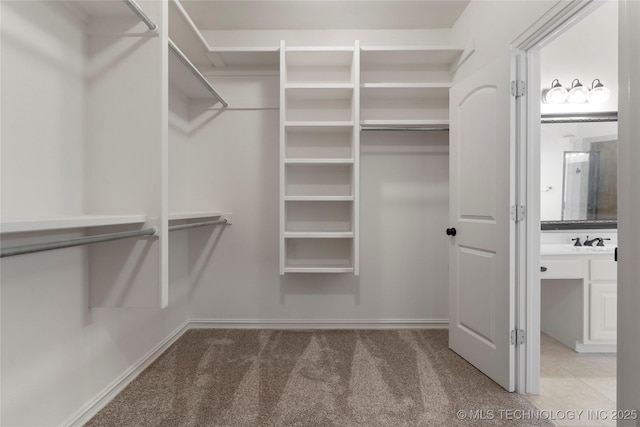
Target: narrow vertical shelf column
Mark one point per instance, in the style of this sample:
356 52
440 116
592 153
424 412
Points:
283 118
356 158
319 159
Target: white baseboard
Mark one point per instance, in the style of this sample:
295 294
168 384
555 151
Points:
319 323
595 348
94 406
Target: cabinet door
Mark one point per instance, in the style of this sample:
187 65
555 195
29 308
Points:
603 298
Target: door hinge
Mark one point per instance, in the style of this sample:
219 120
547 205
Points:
518 88
518 213
518 336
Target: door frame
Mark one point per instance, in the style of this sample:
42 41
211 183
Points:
554 22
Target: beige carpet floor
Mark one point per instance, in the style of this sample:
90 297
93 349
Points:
216 377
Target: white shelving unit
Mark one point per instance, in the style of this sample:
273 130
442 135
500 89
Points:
406 86
90 152
319 159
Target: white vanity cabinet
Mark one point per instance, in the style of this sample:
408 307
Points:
579 297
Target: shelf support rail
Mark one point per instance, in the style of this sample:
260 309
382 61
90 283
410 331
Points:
40 247
182 57
140 14
223 221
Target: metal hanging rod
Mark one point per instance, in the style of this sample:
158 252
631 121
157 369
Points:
391 128
607 116
140 14
40 247
198 224
182 57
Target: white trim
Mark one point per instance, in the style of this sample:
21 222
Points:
521 227
531 291
95 405
319 323
553 23
595 348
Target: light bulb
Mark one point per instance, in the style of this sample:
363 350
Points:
578 93
556 95
599 93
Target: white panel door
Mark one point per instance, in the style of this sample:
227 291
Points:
481 289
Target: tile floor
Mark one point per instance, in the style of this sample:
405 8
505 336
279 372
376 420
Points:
571 382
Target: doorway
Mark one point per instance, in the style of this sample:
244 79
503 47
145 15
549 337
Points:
572 350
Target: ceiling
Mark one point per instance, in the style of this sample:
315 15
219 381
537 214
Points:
323 14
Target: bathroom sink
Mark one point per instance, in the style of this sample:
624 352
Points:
568 249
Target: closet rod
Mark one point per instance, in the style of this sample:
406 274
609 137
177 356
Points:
607 116
197 224
40 247
181 56
367 128
140 14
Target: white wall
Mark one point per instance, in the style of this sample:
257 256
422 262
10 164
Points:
577 53
57 354
492 26
42 47
404 205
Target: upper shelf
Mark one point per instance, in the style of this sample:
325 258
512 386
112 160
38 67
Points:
405 90
179 216
441 57
21 225
245 58
319 56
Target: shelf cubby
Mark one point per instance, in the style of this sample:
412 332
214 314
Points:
319 64
402 101
245 58
407 64
313 216
318 180
319 102
319 255
319 142
406 83
318 198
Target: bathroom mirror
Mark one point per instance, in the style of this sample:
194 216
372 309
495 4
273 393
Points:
579 173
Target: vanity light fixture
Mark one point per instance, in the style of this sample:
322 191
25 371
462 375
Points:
556 95
598 93
578 93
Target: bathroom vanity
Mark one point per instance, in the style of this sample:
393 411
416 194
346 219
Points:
579 296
